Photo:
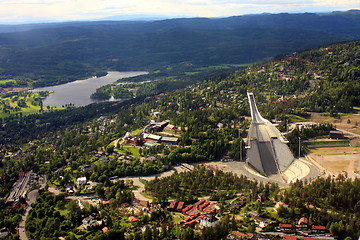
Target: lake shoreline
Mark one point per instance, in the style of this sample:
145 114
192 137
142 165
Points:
77 93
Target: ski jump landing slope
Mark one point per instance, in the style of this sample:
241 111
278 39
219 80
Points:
267 148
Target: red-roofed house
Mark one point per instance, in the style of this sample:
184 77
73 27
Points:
180 206
172 206
187 208
303 222
318 229
132 219
235 235
285 227
197 204
289 237
204 205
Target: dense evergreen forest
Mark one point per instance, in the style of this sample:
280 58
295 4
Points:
189 186
50 54
208 115
330 202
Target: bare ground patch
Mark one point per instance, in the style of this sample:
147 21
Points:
338 159
348 122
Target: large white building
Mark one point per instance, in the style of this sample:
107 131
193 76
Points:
267 148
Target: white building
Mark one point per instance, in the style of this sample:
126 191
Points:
209 221
81 181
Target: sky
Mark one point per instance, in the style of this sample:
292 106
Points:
20 11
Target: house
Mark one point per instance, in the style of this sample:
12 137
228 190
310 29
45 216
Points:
89 221
69 191
197 204
85 167
209 221
187 209
81 180
303 222
191 211
285 227
278 205
132 219
236 235
204 205
261 222
289 237
4 232
336 135
192 223
170 140
171 127
156 114
113 178
318 229
151 137
180 206
172 206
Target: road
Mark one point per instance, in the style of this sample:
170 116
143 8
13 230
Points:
350 133
141 187
31 198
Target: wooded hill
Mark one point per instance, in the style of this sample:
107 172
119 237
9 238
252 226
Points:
208 115
49 54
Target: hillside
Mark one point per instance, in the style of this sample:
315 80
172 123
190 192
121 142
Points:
206 116
49 54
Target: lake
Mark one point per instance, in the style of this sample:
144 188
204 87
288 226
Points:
79 92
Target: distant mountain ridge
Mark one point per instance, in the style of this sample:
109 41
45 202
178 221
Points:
54 53
309 21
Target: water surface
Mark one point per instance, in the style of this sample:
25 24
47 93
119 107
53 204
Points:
78 93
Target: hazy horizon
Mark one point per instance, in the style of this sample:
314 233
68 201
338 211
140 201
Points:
40 11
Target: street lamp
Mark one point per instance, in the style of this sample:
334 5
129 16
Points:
240 145
299 146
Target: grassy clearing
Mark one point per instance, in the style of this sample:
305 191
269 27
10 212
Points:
326 142
224 66
296 118
136 132
130 150
63 212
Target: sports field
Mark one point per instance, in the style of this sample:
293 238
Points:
338 159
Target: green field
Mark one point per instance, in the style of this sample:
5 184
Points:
136 132
295 118
22 104
6 81
326 142
132 150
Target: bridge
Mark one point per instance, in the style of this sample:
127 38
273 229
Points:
267 149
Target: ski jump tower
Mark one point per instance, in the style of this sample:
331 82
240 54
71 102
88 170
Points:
267 149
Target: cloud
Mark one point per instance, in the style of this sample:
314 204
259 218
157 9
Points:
62 10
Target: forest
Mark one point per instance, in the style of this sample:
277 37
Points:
208 114
45 54
331 202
